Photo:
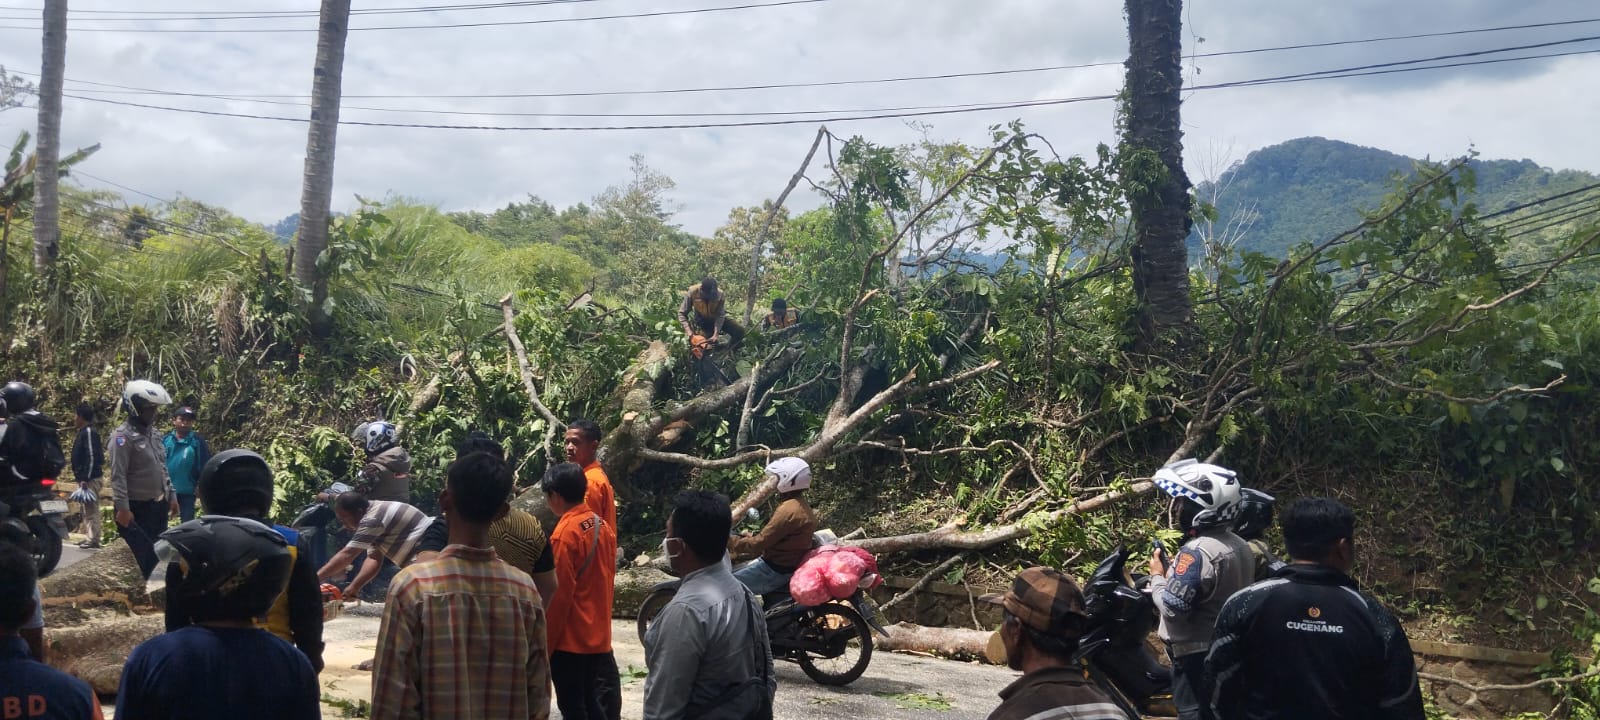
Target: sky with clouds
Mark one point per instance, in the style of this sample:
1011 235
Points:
1539 109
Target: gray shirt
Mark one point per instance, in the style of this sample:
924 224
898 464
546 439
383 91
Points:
700 644
1206 572
138 467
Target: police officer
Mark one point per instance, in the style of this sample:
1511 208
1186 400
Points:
140 489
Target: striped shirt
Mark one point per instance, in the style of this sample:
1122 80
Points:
1055 693
463 636
391 529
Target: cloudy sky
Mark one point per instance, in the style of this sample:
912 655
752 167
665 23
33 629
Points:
1538 109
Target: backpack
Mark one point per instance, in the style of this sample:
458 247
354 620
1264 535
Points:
31 447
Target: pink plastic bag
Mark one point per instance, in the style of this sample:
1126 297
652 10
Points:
843 574
807 585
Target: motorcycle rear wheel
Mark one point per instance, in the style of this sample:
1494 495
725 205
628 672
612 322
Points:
46 549
651 607
847 637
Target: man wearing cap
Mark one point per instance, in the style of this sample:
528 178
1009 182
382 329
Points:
187 454
1044 617
787 537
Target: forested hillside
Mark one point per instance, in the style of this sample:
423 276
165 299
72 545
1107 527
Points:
1308 189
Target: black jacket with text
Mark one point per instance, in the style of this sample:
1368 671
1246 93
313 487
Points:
1308 645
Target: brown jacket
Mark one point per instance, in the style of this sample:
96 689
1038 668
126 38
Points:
1059 693
785 539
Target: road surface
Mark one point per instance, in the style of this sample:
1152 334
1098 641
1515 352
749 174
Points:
894 686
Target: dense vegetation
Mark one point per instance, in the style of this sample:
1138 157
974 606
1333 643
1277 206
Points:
1423 365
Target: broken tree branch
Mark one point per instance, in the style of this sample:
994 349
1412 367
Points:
740 437
766 226
951 536
1518 389
526 370
923 582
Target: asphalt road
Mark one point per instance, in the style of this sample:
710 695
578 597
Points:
894 686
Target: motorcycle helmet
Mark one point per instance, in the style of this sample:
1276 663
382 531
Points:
16 398
236 482
1255 514
792 474
139 394
1213 488
229 568
377 436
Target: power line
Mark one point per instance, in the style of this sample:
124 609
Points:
1581 203
497 23
836 83
836 111
1540 201
1360 71
186 15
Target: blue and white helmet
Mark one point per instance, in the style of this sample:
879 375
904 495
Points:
1214 488
376 436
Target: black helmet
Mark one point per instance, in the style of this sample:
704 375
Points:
230 568
233 479
1255 514
16 398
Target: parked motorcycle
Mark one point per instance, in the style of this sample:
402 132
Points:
35 508
831 642
1113 649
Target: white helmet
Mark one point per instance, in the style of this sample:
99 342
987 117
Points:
377 436
792 474
143 390
1214 488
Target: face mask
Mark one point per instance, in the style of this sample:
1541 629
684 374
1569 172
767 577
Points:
667 553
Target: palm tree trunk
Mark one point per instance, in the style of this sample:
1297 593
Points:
1160 208
316 192
5 270
46 199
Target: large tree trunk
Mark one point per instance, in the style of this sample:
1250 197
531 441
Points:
47 175
95 650
316 191
109 577
1160 211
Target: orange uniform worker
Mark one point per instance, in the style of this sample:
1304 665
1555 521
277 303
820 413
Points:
583 445
579 617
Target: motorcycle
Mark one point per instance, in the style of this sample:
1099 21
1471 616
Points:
36 509
313 520
1113 648
831 642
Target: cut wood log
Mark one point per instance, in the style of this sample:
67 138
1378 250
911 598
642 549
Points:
949 642
96 650
111 575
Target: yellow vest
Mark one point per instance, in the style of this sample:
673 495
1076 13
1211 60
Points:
708 309
277 620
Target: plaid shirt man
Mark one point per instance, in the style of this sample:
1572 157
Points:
463 636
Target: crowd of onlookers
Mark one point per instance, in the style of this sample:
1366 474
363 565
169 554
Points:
492 614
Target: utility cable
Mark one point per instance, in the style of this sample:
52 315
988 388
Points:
832 83
445 26
1361 71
